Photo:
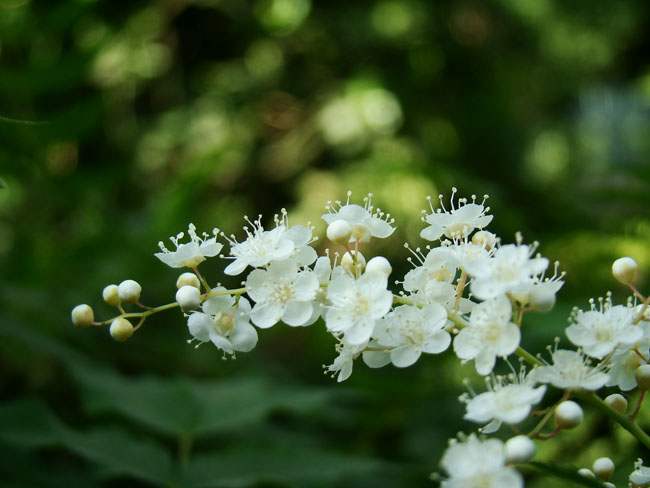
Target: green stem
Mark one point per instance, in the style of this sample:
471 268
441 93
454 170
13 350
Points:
629 425
172 305
185 442
561 472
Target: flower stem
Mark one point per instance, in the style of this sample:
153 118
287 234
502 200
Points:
170 306
628 424
561 472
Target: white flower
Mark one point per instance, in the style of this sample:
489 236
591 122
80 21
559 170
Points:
356 305
262 247
490 334
511 269
366 221
570 371
599 332
475 463
282 292
224 323
189 254
455 222
408 331
508 400
625 360
439 265
640 477
467 254
344 362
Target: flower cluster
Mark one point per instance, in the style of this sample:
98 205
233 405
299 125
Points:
466 292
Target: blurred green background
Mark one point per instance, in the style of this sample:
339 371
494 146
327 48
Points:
122 121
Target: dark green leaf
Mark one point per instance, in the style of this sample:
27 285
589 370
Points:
296 466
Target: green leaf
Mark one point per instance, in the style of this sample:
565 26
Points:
30 424
298 465
180 407
122 454
17 471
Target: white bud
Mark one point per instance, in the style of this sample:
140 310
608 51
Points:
617 402
379 264
339 231
642 375
188 279
121 329
519 449
541 299
111 295
484 239
586 473
82 316
129 291
625 270
568 415
607 484
188 297
353 262
603 468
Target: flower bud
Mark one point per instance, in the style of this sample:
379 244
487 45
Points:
642 375
484 239
379 264
625 270
339 231
129 291
617 402
111 295
188 297
541 299
121 329
603 468
188 279
82 316
607 484
519 449
586 473
568 415
353 262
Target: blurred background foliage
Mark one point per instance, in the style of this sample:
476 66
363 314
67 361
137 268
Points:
120 122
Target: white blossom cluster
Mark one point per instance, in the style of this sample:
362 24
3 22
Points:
466 291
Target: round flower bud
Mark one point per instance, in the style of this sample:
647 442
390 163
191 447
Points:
188 279
642 375
541 299
188 297
625 270
111 295
83 316
352 265
484 239
607 484
121 329
617 402
339 231
586 473
519 449
129 291
568 415
379 264
603 468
